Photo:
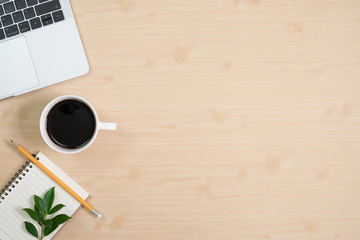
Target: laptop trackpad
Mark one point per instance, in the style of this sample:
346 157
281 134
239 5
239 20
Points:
17 72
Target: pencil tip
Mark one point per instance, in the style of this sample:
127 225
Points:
13 143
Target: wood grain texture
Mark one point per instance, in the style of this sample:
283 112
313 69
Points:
237 119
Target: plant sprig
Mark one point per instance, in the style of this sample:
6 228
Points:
43 207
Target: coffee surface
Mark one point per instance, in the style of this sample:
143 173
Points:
70 124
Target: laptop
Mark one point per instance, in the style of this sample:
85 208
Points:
39 45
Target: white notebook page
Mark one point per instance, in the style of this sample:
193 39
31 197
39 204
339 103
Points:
35 181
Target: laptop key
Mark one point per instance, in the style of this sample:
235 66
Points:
29 13
18 16
24 26
3 1
20 4
1 11
31 2
2 34
11 30
35 23
47 7
46 19
9 7
7 20
58 16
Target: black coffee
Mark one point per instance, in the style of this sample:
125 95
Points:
70 124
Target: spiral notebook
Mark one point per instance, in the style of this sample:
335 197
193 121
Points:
19 194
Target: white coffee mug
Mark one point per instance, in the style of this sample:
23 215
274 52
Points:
98 124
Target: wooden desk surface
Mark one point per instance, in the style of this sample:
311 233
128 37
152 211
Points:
237 119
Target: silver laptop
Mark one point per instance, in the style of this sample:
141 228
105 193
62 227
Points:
39 45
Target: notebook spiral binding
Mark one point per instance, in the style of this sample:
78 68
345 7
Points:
15 180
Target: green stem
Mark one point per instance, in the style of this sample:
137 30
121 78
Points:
42 228
42 232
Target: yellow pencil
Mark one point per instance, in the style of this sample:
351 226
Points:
56 179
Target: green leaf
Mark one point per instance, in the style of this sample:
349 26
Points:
39 214
60 219
39 204
31 229
49 199
56 208
32 214
48 223
49 230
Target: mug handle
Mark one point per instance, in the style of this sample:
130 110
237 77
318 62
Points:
107 126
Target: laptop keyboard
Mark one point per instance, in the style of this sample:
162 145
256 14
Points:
20 16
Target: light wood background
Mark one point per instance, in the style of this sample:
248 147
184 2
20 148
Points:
238 119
